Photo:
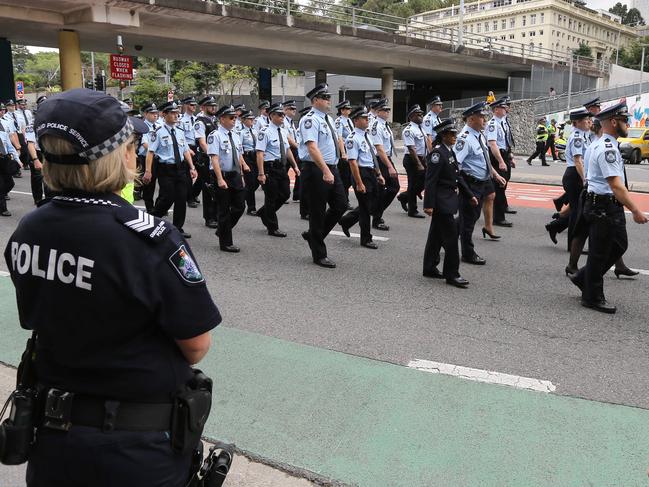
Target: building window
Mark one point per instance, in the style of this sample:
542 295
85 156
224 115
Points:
495 25
512 22
560 18
541 32
471 28
542 18
533 19
503 38
532 34
522 34
511 36
524 20
503 24
486 26
479 28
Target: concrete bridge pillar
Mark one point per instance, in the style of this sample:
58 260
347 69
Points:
7 87
320 77
387 87
70 59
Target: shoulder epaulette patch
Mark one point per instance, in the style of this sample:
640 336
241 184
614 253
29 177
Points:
142 223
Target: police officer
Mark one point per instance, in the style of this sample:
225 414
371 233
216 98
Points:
248 141
344 127
473 155
367 177
273 155
205 124
604 209
38 187
174 161
186 122
262 120
9 163
415 140
432 119
574 176
226 162
541 138
147 191
383 140
290 110
304 211
319 152
501 159
18 123
443 182
239 108
118 302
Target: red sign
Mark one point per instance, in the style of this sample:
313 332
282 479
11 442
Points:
20 90
121 67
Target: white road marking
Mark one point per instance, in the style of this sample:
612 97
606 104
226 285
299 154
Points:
20 192
641 271
4 274
480 375
358 235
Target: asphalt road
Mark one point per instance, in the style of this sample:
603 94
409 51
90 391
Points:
520 316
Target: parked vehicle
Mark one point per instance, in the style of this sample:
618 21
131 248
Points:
635 147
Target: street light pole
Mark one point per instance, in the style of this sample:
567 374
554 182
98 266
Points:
641 70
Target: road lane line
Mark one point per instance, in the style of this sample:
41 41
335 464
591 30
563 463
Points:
480 375
358 235
4 274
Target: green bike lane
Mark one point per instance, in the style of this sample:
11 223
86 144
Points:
371 423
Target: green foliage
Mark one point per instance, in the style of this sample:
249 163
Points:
147 90
583 50
629 17
400 8
631 56
42 70
20 55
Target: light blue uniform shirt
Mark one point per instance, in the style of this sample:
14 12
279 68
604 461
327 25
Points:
269 143
8 146
496 131
199 126
248 138
380 134
358 149
290 128
431 120
576 146
605 162
147 137
314 128
30 136
260 122
472 153
218 144
588 153
413 134
187 123
344 127
161 144
8 126
238 125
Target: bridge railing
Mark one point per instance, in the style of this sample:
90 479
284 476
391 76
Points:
331 12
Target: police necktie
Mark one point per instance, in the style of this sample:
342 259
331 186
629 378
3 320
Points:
426 148
351 127
391 140
13 114
282 148
374 158
235 164
510 136
176 149
333 136
252 136
485 152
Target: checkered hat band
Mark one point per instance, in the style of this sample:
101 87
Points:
110 144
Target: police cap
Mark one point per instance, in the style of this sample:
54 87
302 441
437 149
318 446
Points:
304 111
149 108
290 104
500 103
618 110
383 105
247 114
276 108
376 102
592 103
414 110
226 110
209 100
477 109
9 102
40 99
579 114
239 106
321 90
170 106
22 101
263 104
445 126
190 100
2 106
344 104
359 112
436 101
92 122
139 127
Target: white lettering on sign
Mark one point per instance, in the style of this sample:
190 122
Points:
63 267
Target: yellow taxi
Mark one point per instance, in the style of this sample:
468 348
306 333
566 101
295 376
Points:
635 147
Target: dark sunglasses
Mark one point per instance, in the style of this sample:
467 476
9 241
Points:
324 97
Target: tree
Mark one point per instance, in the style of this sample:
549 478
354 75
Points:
20 55
629 17
631 56
149 90
619 9
583 50
43 71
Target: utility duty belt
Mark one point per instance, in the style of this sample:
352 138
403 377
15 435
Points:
275 163
602 198
472 180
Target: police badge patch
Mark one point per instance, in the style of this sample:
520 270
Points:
427 123
308 124
210 139
610 156
185 266
260 136
374 131
492 128
407 133
197 126
577 143
459 145
434 157
350 144
152 136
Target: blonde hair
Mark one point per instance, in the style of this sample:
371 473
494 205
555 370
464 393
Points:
108 174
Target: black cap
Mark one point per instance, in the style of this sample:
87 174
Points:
22 101
592 103
239 106
344 104
208 100
290 104
91 121
276 108
9 102
500 103
149 108
170 106
127 100
247 114
376 102
619 110
190 100
304 111
2 106
436 100
320 90
445 126
40 99
263 104
477 109
383 104
414 109
225 110
359 112
579 114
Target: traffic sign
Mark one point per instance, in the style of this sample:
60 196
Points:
20 90
121 67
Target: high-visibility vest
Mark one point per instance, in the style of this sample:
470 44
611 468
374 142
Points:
541 133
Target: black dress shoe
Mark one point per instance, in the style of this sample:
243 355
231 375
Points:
380 226
349 207
458 282
475 260
325 262
601 306
185 234
557 204
369 245
6 213
503 223
276 233
211 224
545 164
192 204
574 280
509 211
404 202
252 212
435 274
345 230
625 271
18 175
416 214
230 248
553 233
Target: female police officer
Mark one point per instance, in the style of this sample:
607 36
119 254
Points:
119 304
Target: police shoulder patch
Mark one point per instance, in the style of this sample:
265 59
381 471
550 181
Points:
434 157
407 133
459 145
337 123
152 136
350 143
492 127
260 136
610 156
183 263
427 122
577 143
197 126
210 139
142 223
308 124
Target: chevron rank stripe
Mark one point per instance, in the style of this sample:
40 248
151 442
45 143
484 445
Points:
143 222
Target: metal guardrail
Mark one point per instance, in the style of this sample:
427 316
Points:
556 104
331 12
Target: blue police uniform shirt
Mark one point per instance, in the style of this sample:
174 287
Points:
8 146
199 126
161 144
314 128
605 162
344 127
576 146
260 122
496 131
358 149
380 134
187 123
290 128
413 134
269 143
8 126
146 138
238 125
588 153
248 138
472 153
431 120
218 144
30 136
109 289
